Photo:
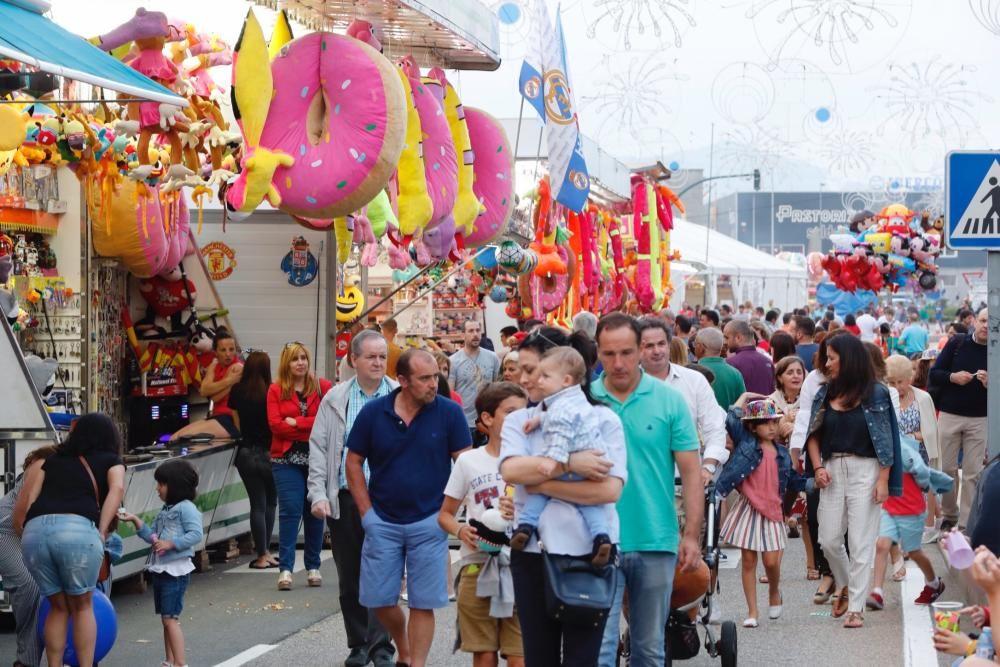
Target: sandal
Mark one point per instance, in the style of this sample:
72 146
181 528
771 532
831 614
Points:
898 570
750 622
812 574
762 578
854 620
840 604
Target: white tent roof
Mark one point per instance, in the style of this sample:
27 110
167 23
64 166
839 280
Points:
726 254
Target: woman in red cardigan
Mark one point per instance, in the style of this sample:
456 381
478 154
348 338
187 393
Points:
292 403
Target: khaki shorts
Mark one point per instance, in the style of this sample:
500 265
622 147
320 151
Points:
481 633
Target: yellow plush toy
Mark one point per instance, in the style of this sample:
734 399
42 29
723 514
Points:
467 206
414 204
345 237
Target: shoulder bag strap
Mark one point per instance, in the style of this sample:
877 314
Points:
93 480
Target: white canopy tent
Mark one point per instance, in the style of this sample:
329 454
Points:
728 270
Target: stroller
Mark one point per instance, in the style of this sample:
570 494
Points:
691 604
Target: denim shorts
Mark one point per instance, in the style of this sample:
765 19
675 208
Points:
168 593
906 530
422 546
63 552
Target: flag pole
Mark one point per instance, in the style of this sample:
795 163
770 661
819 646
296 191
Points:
517 134
538 154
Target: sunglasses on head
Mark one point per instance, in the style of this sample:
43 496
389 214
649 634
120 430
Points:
537 334
293 344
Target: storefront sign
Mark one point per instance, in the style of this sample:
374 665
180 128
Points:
220 258
787 213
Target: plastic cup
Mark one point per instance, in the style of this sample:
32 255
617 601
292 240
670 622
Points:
946 615
959 551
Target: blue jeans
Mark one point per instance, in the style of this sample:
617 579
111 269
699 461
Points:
649 578
63 552
293 506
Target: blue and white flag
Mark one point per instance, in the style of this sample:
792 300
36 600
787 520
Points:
544 83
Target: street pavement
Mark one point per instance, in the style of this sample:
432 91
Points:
235 616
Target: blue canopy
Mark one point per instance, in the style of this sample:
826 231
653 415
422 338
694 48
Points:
30 38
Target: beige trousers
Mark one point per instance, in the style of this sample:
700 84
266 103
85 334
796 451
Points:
848 505
968 435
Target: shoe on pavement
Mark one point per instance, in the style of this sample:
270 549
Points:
930 536
384 660
946 526
750 622
774 612
875 602
930 593
285 581
314 578
358 657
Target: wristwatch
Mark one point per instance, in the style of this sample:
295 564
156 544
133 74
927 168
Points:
710 467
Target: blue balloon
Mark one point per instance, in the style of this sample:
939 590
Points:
498 294
107 628
844 302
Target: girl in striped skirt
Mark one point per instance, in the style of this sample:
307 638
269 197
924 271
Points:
761 470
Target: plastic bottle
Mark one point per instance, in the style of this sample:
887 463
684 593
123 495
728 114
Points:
984 645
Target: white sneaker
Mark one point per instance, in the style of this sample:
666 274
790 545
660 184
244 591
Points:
930 536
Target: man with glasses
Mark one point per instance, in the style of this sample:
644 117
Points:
472 368
331 499
409 438
659 433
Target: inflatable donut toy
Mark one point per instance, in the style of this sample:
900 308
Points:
545 294
494 177
466 205
328 132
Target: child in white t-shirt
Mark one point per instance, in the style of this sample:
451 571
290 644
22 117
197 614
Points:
487 623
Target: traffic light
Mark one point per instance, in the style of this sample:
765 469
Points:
756 180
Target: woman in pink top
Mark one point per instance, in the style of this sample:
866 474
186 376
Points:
761 470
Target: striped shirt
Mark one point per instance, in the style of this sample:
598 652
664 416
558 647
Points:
356 400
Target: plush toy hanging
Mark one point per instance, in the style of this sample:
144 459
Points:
328 104
413 202
643 219
493 185
299 264
467 207
350 302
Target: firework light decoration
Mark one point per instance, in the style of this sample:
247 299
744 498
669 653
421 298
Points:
847 152
987 12
512 18
848 33
743 92
930 99
663 20
634 96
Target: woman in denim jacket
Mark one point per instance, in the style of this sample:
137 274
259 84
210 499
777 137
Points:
174 534
853 448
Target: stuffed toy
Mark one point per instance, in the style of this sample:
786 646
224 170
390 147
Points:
467 207
42 373
493 182
350 302
364 31
380 214
127 222
166 297
643 219
413 202
327 104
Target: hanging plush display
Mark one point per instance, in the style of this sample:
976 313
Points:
327 104
300 264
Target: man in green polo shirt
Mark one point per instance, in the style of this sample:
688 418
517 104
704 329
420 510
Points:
728 384
659 433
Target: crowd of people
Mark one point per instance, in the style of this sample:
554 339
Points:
596 444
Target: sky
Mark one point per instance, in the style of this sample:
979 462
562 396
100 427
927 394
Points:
817 94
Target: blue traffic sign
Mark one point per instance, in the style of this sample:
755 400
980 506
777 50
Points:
972 200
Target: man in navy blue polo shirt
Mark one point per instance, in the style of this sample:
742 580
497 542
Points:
409 439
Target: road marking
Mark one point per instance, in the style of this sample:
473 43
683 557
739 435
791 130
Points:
299 566
918 630
247 655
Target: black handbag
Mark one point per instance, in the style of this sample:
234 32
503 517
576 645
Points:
577 592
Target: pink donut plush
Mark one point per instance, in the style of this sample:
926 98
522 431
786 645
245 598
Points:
550 291
494 179
322 123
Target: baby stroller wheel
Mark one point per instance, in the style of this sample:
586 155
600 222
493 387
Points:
727 644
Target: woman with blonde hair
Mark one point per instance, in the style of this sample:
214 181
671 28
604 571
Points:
678 352
917 419
292 403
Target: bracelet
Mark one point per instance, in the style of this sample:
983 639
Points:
970 649
815 468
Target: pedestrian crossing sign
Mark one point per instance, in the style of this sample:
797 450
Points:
972 200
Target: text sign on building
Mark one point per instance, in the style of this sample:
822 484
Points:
972 200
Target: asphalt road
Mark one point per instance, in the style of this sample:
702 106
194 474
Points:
233 613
